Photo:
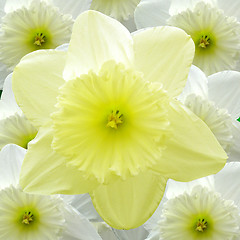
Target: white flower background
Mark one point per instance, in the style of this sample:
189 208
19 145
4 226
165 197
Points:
205 205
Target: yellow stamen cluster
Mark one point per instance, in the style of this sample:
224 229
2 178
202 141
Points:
201 225
204 42
39 39
115 119
27 218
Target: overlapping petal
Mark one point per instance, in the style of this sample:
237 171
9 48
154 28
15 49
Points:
193 151
121 203
164 54
35 83
44 171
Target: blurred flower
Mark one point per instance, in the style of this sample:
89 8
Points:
216 35
108 120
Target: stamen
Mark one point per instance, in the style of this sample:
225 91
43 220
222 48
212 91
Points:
204 41
201 225
39 39
27 218
115 119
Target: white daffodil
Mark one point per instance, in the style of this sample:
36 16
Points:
122 10
108 120
27 216
30 25
215 33
216 101
14 126
206 209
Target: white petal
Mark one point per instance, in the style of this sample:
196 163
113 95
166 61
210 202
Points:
11 158
152 13
105 231
96 39
196 83
12 5
83 203
73 7
78 227
227 182
234 155
4 72
137 233
8 96
230 7
224 90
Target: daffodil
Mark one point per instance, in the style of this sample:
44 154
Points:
215 33
14 126
216 101
205 209
27 216
107 119
30 25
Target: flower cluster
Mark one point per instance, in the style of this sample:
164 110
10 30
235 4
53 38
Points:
117 119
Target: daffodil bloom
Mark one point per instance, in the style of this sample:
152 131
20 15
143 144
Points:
216 101
14 126
27 216
108 120
30 25
207 208
215 33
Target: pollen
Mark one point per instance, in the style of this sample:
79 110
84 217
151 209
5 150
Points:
115 119
40 39
204 41
201 225
27 218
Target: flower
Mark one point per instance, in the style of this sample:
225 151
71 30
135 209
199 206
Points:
206 208
27 216
14 126
32 25
216 35
107 120
215 100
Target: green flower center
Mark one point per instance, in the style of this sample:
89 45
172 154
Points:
27 218
204 41
40 39
201 225
115 119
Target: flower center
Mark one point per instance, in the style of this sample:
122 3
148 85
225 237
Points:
115 119
201 225
204 41
27 218
40 39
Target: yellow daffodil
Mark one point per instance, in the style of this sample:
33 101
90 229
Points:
108 121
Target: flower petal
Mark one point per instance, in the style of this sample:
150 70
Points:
152 13
96 39
11 158
128 204
164 54
234 155
72 7
224 90
227 182
193 151
44 171
138 233
35 84
230 7
196 84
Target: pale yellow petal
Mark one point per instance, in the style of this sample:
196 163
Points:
164 54
128 204
44 171
96 39
193 151
35 84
